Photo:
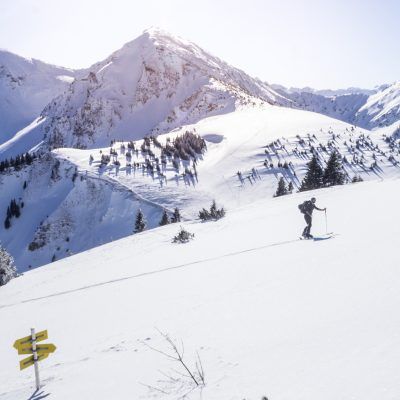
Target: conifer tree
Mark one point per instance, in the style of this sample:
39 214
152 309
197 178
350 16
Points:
176 216
313 178
290 187
7 267
282 189
165 219
7 223
140 222
333 174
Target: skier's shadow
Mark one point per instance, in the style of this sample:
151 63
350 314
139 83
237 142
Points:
38 395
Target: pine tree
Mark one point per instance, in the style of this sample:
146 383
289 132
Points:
165 219
204 215
313 178
290 187
7 223
333 174
282 189
213 209
140 223
176 216
7 267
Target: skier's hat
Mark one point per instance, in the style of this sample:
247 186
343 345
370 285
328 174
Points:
313 199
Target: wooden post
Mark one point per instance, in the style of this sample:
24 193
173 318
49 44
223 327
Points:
35 359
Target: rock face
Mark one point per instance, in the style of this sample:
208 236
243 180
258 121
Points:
26 87
152 84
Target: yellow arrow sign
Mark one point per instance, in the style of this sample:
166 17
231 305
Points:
28 339
40 349
27 362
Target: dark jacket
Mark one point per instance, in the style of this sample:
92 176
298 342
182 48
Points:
309 207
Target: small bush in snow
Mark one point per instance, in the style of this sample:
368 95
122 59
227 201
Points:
183 236
357 178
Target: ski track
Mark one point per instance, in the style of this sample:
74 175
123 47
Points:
154 272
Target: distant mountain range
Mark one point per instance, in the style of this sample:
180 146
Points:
366 108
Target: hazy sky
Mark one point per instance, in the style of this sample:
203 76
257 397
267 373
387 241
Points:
318 43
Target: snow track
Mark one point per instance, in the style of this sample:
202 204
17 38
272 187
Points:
158 271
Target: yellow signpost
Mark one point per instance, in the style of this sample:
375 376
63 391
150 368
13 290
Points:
28 345
28 339
40 349
29 361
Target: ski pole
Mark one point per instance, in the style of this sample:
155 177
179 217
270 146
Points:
326 222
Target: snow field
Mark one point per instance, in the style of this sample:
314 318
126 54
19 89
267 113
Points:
305 320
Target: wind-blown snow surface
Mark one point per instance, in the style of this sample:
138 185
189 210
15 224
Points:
269 315
26 87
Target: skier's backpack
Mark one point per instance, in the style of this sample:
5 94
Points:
302 207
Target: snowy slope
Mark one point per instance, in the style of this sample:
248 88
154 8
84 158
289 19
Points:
241 141
263 138
153 84
64 213
26 87
268 315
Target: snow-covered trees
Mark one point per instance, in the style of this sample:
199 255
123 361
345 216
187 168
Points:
7 267
13 210
18 162
314 175
333 174
140 222
214 213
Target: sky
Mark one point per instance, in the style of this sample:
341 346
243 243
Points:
318 43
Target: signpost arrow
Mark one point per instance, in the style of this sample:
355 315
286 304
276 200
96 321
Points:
40 349
29 361
28 339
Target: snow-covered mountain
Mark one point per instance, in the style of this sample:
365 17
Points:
26 87
162 85
76 199
381 109
260 312
151 85
369 109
